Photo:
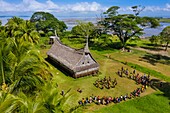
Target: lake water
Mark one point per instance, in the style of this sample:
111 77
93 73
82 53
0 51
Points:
71 22
155 31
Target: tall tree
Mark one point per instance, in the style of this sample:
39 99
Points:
125 26
22 30
46 22
83 29
165 36
137 9
21 65
28 32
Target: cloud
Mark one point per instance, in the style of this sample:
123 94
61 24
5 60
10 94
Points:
5 6
49 5
85 6
157 8
80 7
167 7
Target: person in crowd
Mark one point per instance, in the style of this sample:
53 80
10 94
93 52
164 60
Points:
161 84
121 98
134 71
62 92
79 90
83 101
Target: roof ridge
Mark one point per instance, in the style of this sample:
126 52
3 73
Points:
68 47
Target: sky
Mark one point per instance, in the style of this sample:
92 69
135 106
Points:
156 8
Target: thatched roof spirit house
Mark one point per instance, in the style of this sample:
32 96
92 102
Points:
76 62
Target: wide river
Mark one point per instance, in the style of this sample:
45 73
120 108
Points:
71 22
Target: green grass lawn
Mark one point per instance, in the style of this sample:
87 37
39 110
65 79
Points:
142 59
153 103
110 61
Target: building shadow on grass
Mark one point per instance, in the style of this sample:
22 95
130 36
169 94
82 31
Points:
155 58
102 47
162 86
57 66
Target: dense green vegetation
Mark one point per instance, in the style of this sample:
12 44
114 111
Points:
46 23
26 80
166 20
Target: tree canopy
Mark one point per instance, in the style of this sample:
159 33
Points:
25 77
46 22
125 26
21 62
165 36
83 29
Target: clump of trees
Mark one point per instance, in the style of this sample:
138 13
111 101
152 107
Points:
22 67
46 23
26 83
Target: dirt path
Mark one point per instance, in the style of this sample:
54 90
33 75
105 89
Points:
161 52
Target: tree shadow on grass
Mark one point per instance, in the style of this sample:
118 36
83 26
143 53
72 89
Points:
155 58
132 45
102 47
162 86
152 47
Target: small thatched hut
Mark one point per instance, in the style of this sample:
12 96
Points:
76 62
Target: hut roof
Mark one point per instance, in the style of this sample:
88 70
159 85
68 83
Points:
77 61
64 54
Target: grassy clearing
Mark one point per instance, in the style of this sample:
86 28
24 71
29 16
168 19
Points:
110 62
139 58
108 67
153 103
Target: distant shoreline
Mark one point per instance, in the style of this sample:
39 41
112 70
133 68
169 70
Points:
71 22
3 16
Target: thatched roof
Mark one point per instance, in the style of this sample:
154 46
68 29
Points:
75 59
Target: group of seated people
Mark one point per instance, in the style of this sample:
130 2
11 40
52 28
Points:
105 100
105 83
140 79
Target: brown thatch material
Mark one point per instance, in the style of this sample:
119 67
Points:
77 62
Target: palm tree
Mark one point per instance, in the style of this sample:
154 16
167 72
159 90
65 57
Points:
30 105
8 102
4 51
52 98
22 30
28 32
12 26
20 103
21 65
27 67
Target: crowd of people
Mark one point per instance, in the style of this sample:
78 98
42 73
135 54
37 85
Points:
109 83
105 100
140 79
105 83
